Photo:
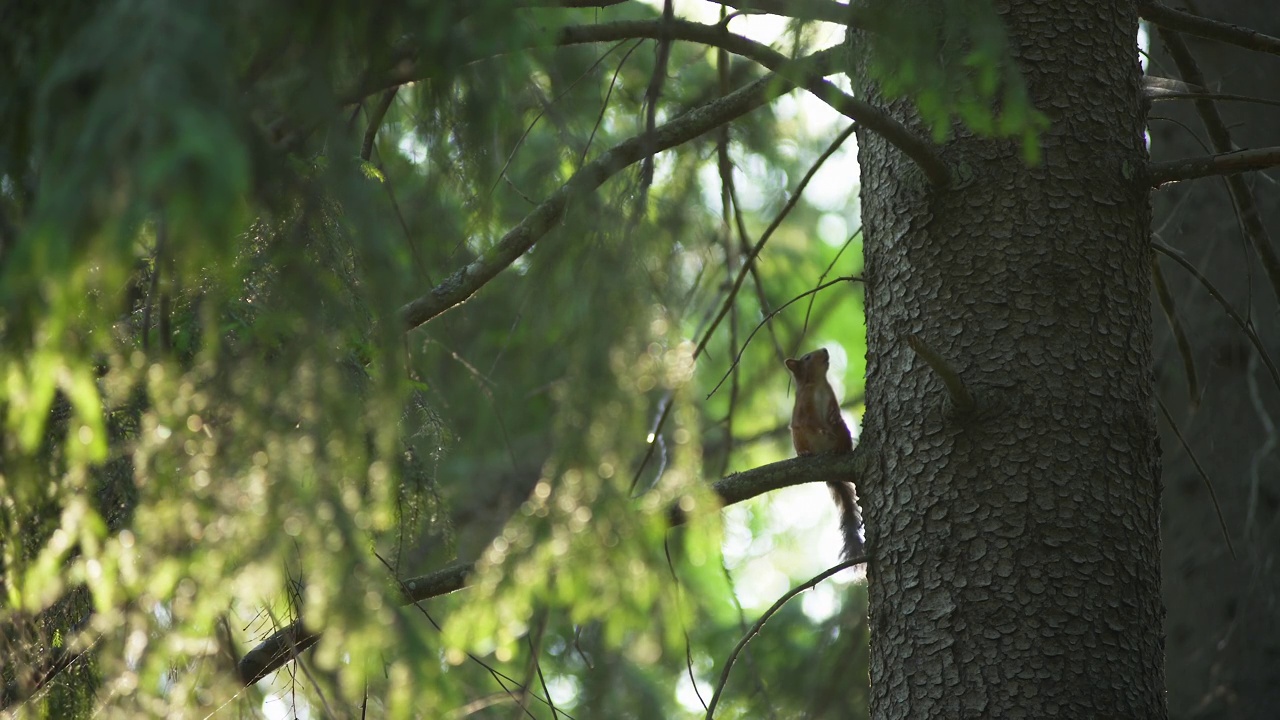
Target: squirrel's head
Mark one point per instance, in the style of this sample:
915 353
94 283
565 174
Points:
812 366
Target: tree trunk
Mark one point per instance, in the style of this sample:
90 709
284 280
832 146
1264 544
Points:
1224 631
1015 548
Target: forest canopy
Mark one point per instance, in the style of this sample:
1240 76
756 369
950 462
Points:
221 416
407 358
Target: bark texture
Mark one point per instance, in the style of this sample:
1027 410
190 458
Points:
1015 549
1223 623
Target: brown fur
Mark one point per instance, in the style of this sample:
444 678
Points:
817 427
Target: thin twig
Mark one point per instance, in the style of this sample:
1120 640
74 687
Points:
465 281
1179 335
754 268
520 142
737 358
1245 327
961 398
764 238
604 106
808 311
1213 496
655 440
542 680
662 53
759 624
375 121
729 209
157 264
688 644
1231 163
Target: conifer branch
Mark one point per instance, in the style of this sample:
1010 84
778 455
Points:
808 73
1228 163
466 281
1191 24
286 643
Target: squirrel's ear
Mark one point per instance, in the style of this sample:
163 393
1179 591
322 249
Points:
793 365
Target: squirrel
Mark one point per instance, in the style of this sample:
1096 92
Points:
816 427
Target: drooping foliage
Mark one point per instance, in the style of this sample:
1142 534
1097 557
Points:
216 422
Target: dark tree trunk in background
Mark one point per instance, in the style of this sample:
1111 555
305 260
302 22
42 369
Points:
1015 568
1223 618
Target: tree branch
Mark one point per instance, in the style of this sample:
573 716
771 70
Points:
1229 163
1220 139
1167 17
464 282
712 35
918 149
808 73
824 10
804 73
572 4
961 398
375 121
407 70
285 644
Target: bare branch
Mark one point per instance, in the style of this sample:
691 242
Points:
1157 89
1170 19
1246 326
1229 163
1179 333
1213 495
283 645
961 398
375 122
1220 137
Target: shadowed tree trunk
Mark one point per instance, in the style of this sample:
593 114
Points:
1015 543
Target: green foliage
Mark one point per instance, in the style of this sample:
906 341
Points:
215 422
952 58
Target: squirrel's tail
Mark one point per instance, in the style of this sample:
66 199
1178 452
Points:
850 519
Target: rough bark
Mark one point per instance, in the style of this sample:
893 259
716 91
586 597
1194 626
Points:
1224 631
1015 548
